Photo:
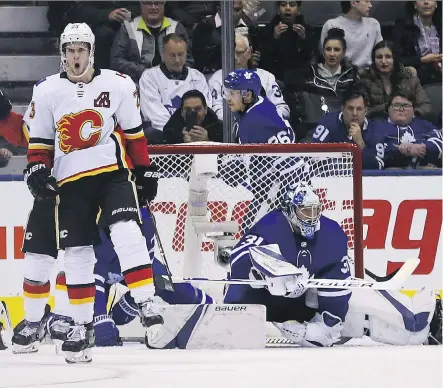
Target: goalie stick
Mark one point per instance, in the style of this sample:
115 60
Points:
165 281
393 283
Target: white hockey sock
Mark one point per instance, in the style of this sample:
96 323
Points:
135 263
36 286
79 271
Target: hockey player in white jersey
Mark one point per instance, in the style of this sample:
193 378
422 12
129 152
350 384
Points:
269 84
162 87
72 126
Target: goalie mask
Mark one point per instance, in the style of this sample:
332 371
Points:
77 44
303 209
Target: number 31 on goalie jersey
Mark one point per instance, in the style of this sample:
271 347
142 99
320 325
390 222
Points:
286 136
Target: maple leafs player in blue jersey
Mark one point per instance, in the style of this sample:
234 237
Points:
318 247
351 126
256 118
256 122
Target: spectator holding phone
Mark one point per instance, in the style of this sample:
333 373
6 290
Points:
105 19
194 121
286 43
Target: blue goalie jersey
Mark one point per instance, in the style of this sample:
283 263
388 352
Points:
325 256
262 124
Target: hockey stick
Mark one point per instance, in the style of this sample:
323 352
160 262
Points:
4 313
165 281
394 283
381 278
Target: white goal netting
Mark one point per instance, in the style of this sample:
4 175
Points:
219 191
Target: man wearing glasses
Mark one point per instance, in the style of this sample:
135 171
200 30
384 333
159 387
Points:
138 45
409 141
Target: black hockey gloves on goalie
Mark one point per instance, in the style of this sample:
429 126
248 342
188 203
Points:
41 183
146 182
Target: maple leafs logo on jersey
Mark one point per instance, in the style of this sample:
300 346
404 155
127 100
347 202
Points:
175 104
71 126
407 137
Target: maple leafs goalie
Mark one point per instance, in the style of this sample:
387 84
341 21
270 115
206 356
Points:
317 247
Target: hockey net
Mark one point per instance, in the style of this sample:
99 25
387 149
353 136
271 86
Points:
210 194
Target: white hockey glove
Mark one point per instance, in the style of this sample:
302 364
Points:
287 286
322 331
282 278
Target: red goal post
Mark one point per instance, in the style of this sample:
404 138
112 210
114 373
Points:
209 193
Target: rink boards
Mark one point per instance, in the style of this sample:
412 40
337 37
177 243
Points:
402 217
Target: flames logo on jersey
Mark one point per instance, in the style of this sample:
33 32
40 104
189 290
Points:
70 128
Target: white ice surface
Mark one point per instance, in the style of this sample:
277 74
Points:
135 366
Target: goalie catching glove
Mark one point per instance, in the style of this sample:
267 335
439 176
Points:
146 182
41 183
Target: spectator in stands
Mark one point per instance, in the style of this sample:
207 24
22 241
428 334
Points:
286 43
190 13
270 88
419 39
13 139
406 136
194 121
60 13
387 75
362 32
105 18
162 87
138 44
434 146
351 126
320 87
207 38
5 157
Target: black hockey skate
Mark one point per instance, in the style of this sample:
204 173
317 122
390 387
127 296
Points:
57 328
28 335
77 346
435 327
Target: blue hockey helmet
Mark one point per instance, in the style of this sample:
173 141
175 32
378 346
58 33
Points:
302 207
243 80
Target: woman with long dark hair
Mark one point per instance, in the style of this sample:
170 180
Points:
418 37
320 87
387 75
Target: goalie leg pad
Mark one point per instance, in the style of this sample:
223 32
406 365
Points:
390 317
210 327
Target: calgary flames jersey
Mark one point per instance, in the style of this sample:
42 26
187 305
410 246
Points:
74 124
